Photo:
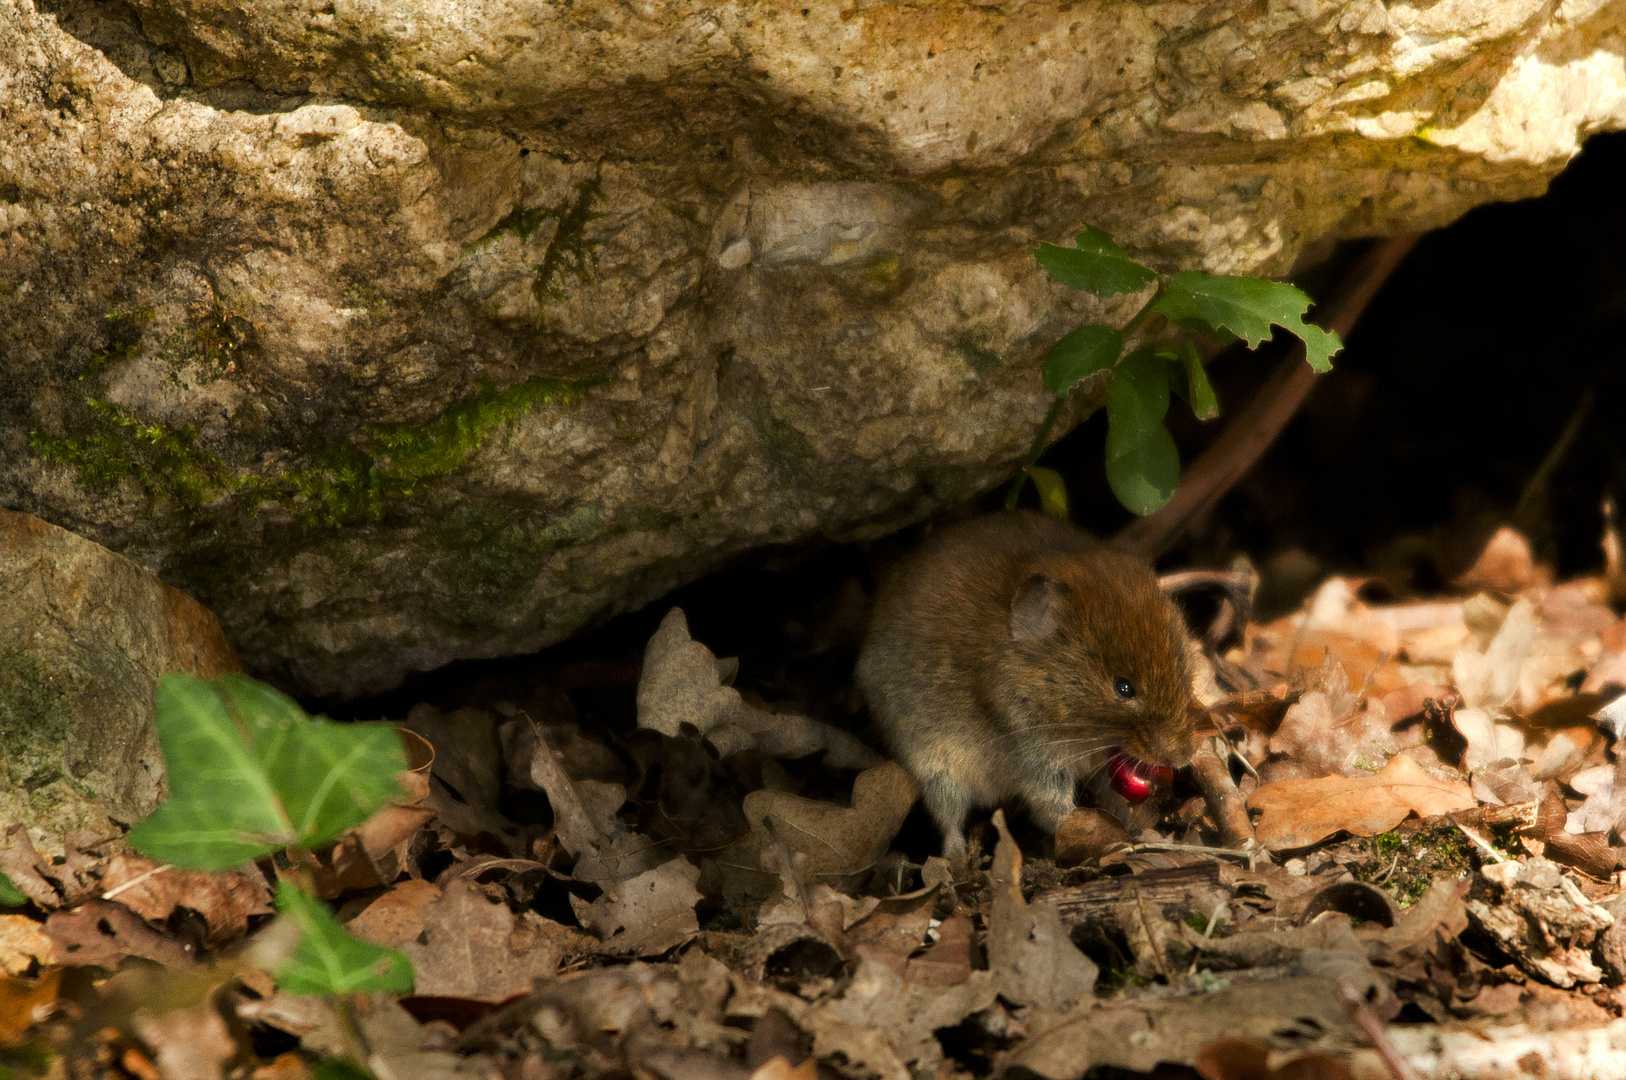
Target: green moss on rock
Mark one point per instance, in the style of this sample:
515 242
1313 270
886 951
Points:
344 482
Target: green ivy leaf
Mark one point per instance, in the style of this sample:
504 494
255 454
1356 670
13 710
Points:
250 773
1142 463
340 1069
1079 355
1096 265
330 959
10 895
1052 491
1247 307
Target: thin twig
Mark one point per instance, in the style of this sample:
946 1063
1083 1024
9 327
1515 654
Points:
1381 878
1372 1027
1240 854
1479 841
137 880
1225 802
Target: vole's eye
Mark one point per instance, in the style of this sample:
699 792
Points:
1124 688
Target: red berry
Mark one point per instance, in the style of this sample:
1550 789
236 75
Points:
1133 778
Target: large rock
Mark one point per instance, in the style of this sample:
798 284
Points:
399 334
84 636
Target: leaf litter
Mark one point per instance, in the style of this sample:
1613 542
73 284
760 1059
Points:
1422 801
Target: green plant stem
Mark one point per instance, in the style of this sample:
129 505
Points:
1035 450
1032 457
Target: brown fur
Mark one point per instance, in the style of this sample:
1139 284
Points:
991 659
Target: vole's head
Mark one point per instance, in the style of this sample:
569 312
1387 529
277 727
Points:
1096 659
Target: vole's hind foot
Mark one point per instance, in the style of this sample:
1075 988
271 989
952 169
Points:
949 804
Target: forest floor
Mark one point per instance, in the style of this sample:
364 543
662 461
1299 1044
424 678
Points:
1398 848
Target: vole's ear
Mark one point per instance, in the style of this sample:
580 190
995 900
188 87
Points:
1036 609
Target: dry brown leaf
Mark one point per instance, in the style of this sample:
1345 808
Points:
1440 911
394 1044
1319 739
189 1044
1506 564
226 899
23 943
395 917
1505 783
1488 675
839 841
888 1026
469 953
1030 953
1298 813
1086 834
1254 1059
584 821
682 683
466 776
948 961
372 854
780 1068
1139 1035
21 1001
891 933
101 933
646 915
20 863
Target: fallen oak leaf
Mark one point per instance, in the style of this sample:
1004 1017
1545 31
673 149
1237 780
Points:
1030 954
191 1043
839 841
1298 813
469 951
888 1026
396 916
101 933
683 682
948 961
226 899
21 865
779 1067
1250 1059
646 915
23 943
23 1000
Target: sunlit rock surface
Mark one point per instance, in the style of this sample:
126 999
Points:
403 334
84 637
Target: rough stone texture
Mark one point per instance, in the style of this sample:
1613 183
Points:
404 333
84 636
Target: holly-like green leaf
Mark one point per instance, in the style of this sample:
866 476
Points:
330 959
1145 475
1096 265
1079 355
1247 307
250 773
10 895
1142 462
1189 379
1137 400
1052 491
